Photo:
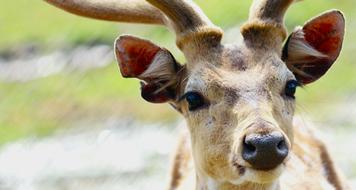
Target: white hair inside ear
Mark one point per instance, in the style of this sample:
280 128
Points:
299 50
162 67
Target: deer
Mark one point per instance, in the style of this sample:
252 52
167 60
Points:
238 100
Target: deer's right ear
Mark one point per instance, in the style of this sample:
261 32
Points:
153 65
312 49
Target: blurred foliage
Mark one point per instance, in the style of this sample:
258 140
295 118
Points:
38 107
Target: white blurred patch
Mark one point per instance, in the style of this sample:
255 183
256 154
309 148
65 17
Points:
29 65
126 157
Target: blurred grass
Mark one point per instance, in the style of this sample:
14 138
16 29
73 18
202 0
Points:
39 107
35 21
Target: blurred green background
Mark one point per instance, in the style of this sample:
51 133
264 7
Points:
39 107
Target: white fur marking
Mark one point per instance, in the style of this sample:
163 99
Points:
299 49
161 67
211 184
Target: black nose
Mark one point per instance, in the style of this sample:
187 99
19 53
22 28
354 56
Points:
264 152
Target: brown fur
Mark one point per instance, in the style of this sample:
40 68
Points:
243 87
329 168
181 162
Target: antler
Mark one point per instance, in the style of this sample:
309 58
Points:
266 22
137 11
187 20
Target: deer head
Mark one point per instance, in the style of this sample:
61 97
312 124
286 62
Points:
238 99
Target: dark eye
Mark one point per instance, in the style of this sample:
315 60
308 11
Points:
195 100
291 88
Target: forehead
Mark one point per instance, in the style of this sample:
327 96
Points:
239 69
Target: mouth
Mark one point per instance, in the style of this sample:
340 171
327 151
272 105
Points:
248 174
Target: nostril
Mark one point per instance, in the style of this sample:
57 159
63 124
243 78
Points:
249 147
249 150
282 148
282 145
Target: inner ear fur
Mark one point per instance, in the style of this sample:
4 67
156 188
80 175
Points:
154 66
311 50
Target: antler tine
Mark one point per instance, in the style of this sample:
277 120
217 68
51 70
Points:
267 16
185 17
134 11
188 21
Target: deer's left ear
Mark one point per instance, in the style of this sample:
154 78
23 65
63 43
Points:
312 49
153 65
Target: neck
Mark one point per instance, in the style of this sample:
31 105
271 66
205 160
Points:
208 183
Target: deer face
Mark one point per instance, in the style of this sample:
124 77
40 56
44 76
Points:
240 116
238 100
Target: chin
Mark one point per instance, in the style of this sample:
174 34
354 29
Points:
259 176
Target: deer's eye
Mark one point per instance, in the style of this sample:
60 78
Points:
291 88
195 100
